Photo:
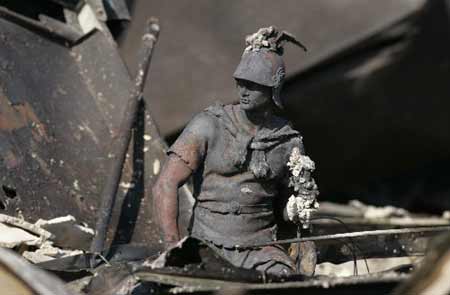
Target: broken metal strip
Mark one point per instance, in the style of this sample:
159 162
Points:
72 263
359 234
59 34
69 32
391 221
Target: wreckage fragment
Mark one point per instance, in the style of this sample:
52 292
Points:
67 233
46 239
365 266
60 107
47 252
15 232
197 259
18 222
11 237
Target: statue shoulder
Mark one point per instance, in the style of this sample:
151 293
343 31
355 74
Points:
202 125
220 110
212 118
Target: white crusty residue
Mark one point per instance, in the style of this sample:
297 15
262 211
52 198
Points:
298 162
300 206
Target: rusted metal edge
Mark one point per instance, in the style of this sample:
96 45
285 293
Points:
194 284
55 30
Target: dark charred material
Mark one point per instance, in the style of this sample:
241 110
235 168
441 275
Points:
194 258
55 120
120 145
71 4
192 267
117 279
117 10
373 285
70 264
79 265
382 246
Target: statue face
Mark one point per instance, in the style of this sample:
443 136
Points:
253 96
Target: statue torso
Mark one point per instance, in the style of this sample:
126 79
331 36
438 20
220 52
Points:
235 200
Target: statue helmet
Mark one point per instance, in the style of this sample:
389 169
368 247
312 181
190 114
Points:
262 61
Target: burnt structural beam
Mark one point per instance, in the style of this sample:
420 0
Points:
121 142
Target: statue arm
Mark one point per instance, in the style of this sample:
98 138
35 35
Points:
174 174
184 157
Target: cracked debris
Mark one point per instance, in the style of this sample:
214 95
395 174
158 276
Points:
20 223
47 252
46 239
366 266
13 237
68 234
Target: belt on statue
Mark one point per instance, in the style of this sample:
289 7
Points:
234 207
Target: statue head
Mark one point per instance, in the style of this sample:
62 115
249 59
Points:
262 61
253 96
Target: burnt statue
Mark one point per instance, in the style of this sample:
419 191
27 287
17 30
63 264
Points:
247 163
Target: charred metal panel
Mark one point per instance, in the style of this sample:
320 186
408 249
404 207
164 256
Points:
41 93
375 117
60 107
